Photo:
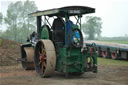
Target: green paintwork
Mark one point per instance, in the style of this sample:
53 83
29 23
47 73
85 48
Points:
75 27
72 60
69 59
44 33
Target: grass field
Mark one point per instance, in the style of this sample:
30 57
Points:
103 61
117 41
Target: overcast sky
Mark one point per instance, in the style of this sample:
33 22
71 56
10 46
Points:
114 13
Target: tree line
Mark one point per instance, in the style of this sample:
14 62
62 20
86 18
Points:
20 25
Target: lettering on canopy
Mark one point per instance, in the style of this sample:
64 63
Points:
74 11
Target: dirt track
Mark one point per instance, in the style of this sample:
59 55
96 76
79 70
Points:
12 73
107 75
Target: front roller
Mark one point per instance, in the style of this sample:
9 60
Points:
45 58
27 57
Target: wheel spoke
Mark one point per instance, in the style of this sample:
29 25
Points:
42 56
43 65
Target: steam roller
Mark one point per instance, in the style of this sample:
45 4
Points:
58 46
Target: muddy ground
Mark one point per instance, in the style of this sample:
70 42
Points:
107 75
9 52
12 73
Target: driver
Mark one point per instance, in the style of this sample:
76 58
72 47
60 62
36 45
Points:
33 37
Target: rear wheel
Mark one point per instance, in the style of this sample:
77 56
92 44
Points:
45 58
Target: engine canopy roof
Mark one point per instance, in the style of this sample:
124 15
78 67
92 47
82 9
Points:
68 10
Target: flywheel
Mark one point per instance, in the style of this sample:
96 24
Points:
45 58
